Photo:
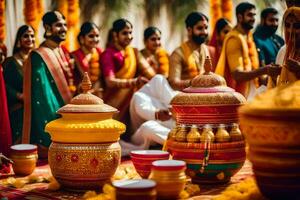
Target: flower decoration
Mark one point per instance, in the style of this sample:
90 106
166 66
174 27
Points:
2 21
33 11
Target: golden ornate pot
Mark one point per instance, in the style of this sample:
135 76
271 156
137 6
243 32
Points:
271 124
85 152
205 106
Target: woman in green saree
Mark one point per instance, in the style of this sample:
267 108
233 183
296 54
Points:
13 69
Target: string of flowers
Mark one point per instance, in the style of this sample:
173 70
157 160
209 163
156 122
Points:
94 70
2 21
163 60
70 9
62 7
40 8
227 9
33 11
215 12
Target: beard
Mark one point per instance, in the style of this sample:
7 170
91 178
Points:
247 25
199 39
58 37
270 30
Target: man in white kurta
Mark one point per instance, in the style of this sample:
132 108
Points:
150 116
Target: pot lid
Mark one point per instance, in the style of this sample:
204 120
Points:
87 102
208 88
208 82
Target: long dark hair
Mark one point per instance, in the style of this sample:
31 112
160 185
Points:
150 31
220 24
85 28
20 32
118 25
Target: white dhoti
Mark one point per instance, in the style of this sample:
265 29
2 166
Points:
153 96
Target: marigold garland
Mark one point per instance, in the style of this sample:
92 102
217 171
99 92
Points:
227 9
163 60
215 12
33 12
2 21
70 9
94 70
63 7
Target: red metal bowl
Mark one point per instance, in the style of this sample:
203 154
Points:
142 160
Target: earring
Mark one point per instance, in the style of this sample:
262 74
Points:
48 33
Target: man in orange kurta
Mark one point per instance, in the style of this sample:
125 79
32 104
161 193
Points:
239 62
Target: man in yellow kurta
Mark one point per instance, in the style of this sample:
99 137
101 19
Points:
239 62
187 61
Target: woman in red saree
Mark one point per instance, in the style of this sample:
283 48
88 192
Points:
87 57
221 29
119 66
5 131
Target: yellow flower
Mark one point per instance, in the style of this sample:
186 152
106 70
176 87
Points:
184 194
246 190
192 189
53 185
19 183
89 194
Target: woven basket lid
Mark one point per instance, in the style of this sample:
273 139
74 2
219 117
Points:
208 88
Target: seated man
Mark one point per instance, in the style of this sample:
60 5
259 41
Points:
150 116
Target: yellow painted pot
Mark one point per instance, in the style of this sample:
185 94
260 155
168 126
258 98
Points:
85 152
271 124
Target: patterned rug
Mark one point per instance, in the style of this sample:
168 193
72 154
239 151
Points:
38 191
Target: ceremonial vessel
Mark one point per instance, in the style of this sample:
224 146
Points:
271 125
84 153
207 136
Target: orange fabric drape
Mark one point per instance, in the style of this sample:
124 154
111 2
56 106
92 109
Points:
33 12
70 9
2 21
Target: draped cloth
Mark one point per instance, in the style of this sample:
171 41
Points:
13 75
45 91
120 66
287 76
214 43
153 96
82 64
195 64
244 58
5 131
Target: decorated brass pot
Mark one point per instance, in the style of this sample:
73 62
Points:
271 124
208 104
85 152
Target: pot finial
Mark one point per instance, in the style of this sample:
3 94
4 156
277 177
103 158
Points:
207 65
86 84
